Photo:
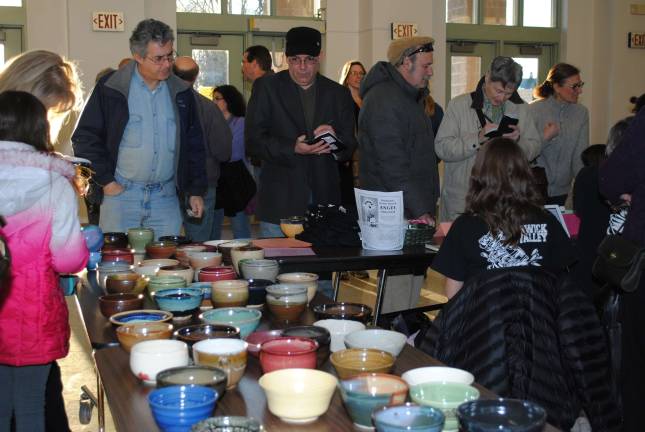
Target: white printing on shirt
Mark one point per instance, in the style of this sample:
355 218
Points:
500 255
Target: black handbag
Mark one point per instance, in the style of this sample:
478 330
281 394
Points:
235 188
619 262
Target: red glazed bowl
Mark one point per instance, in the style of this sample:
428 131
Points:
257 338
161 249
217 273
123 254
288 353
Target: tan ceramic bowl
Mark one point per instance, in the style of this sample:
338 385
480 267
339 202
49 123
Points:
298 396
130 334
199 260
230 293
126 283
245 252
310 280
351 362
183 271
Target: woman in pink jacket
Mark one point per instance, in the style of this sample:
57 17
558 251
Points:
44 237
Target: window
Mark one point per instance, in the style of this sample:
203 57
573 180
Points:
460 11
289 8
297 8
200 6
499 12
2 59
249 7
13 3
213 67
529 76
526 13
538 13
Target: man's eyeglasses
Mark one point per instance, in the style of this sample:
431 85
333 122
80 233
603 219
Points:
170 58
423 48
307 60
576 86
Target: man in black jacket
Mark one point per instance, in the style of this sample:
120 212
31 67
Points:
141 132
286 111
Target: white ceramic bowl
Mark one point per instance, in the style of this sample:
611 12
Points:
338 329
160 262
310 280
147 270
298 395
383 340
148 358
437 374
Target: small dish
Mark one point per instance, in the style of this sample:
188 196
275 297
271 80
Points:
348 311
140 316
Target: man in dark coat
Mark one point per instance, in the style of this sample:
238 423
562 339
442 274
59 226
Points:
286 111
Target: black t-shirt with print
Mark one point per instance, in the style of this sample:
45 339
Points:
470 248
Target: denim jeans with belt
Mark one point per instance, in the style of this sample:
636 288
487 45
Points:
153 205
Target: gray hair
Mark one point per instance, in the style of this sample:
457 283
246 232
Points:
616 134
149 30
506 71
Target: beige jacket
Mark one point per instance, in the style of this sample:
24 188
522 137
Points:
457 143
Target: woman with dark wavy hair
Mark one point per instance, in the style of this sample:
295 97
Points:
504 224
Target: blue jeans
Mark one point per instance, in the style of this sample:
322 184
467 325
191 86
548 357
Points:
239 223
270 230
153 206
203 229
23 395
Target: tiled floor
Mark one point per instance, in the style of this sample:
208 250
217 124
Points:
77 368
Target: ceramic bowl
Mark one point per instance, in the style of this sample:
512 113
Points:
259 269
214 243
146 270
117 240
383 340
216 273
205 287
257 291
226 247
247 320
338 329
194 333
150 357
245 252
288 353
444 396
130 334
229 293
156 283
408 417
117 254
182 252
206 376
139 237
365 392
310 280
178 240
127 283
178 270
104 268
512 415
286 302
343 311
114 303
298 396
199 260
351 362
161 249
230 355
257 338
179 301
162 262
319 334
228 424
437 374
292 226
140 316
177 408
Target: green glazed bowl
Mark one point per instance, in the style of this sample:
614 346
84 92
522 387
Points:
445 396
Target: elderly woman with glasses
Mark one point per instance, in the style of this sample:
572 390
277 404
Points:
564 126
471 120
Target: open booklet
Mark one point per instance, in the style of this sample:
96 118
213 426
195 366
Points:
504 127
335 144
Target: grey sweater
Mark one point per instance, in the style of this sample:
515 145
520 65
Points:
560 156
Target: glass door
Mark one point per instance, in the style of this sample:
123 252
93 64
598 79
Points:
535 60
467 63
219 58
275 44
10 43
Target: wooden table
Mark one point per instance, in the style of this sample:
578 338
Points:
339 259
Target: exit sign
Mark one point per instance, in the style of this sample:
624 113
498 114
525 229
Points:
108 21
636 40
403 30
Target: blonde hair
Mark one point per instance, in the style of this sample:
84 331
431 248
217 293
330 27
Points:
344 73
46 75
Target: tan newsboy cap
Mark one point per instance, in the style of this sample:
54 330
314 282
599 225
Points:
397 47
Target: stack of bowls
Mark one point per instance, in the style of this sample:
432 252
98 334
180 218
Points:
226 247
286 302
179 301
114 303
352 362
150 357
444 396
126 283
229 293
288 353
245 252
177 408
182 252
319 334
131 334
178 270
310 280
161 249
247 320
157 283
366 392
338 329
408 417
259 269
217 273
206 376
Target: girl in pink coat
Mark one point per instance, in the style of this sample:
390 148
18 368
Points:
44 237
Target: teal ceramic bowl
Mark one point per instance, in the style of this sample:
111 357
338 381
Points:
445 396
364 393
407 417
247 320
179 301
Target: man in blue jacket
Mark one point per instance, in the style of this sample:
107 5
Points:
141 132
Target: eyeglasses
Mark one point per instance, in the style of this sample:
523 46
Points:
170 58
306 60
218 98
357 73
423 48
576 86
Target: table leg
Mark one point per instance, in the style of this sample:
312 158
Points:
100 399
380 292
337 277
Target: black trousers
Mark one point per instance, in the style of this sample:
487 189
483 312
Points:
632 371
559 199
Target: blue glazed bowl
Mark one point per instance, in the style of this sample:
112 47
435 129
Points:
206 288
179 301
501 415
408 417
247 320
257 290
178 408
140 316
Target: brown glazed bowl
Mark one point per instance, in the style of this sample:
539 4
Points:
351 362
115 303
130 334
349 311
161 249
127 283
195 333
